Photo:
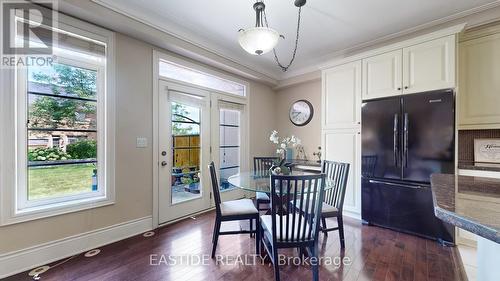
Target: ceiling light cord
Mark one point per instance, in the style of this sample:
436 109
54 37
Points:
285 68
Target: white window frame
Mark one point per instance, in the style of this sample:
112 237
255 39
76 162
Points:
15 207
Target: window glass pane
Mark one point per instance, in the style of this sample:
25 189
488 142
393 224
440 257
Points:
54 112
229 136
62 131
230 117
61 180
64 80
67 145
177 72
231 157
186 152
229 131
224 175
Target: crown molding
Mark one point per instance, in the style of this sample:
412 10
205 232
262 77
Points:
337 55
398 45
191 49
300 79
187 47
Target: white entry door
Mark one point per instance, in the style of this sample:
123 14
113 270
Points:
184 147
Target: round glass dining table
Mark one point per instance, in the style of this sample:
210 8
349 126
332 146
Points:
251 181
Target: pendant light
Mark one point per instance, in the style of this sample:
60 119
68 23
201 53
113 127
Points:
262 39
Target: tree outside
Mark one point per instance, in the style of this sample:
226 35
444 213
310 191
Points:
61 113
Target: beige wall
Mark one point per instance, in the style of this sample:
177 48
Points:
310 135
134 167
262 120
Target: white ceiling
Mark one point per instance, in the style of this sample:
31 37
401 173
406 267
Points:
328 26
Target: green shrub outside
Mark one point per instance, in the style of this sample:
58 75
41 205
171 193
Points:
82 149
48 154
79 150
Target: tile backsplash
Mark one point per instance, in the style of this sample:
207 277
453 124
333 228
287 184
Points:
466 142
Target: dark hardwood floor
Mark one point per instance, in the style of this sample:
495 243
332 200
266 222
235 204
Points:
375 254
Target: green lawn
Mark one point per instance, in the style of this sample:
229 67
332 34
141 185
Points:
58 181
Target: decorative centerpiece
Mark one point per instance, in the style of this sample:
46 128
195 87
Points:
285 146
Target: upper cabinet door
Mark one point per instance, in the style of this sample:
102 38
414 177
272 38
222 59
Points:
341 99
429 66
479 96
383 75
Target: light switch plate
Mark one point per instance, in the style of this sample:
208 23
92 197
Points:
142 142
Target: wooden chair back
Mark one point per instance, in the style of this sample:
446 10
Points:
215 187
289 194
261 165
338 174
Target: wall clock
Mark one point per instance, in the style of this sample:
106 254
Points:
301 112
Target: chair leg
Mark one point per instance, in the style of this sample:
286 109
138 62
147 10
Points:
323 222
257 237
315 266
251 227
262 248
215 229
341 231
276 264
216 236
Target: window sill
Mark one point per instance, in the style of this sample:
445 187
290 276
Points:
34 213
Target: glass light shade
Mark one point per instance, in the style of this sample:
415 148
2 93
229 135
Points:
258 40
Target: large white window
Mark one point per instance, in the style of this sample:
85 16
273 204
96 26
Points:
62 134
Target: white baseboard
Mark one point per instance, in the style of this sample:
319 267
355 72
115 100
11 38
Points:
352 214
18 261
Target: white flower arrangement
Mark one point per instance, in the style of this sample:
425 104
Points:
283 143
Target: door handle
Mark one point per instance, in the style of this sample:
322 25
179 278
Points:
395 140
405 141
163 163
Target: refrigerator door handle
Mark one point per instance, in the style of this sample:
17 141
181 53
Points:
398 184
395 140
405 140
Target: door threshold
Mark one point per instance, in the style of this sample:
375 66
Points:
185 217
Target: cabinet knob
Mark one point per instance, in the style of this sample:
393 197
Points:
399 88
406 87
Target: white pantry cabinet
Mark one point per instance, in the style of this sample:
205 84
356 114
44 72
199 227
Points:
479 73
341 99
345 146
383 75
429 65
417 68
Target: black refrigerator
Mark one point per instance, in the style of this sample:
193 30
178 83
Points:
405 139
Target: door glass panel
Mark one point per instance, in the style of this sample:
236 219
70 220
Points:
229 146
186 125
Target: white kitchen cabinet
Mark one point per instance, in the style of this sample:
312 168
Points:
479 72
345 146
383 75
341 99
429 65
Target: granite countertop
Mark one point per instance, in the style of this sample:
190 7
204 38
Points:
470 203
471 165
